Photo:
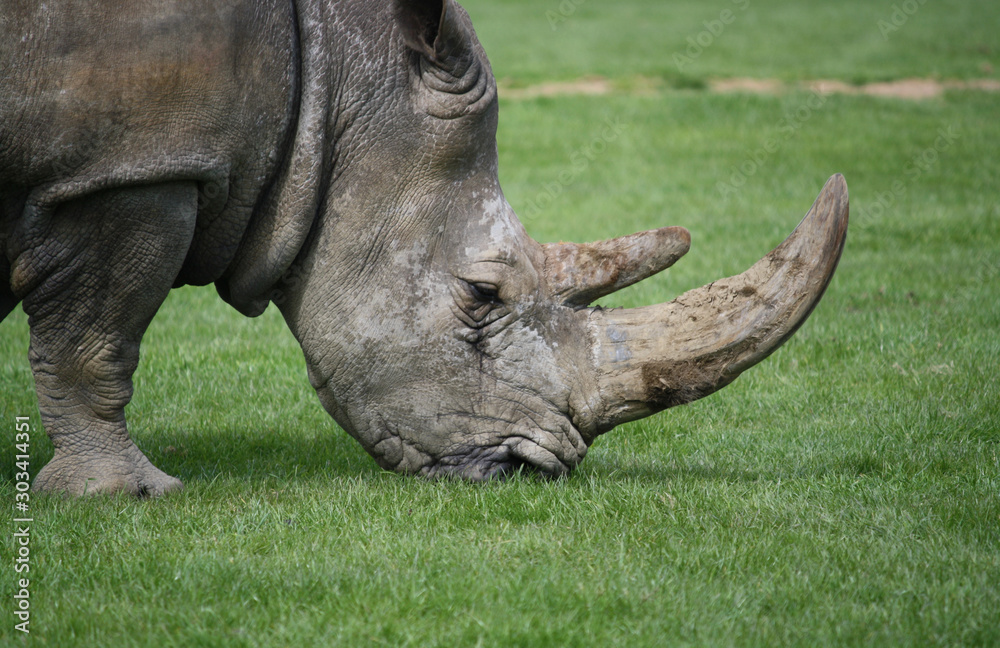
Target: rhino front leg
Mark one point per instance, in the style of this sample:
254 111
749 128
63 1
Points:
90 287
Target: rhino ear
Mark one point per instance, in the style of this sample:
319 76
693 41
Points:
420 22
438 30
455 74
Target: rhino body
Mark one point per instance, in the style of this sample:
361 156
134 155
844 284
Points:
339 160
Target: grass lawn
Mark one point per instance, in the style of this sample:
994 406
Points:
853 40
844 492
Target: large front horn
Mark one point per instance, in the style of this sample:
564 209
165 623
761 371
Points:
651 358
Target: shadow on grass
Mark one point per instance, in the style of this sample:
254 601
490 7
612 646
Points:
294 455
249 455
238 453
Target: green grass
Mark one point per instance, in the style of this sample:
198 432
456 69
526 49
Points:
844 492
530 41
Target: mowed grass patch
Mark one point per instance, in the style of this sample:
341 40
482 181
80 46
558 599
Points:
845 491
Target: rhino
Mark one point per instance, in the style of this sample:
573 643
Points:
338 159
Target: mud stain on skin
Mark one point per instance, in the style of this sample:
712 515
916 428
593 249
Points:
668 384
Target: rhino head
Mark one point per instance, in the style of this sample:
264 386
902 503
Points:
448 342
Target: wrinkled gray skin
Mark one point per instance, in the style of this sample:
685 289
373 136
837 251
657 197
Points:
339 160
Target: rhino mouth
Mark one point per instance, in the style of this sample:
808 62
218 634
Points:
499 464
530 450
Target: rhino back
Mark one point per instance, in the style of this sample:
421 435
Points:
115 93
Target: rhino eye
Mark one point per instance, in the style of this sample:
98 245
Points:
485 293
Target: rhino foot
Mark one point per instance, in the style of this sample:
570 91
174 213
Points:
92 279
99 474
